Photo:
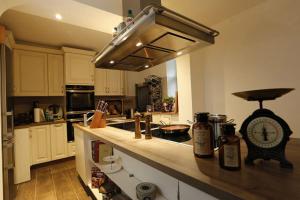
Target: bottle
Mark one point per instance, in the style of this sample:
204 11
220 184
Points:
129 17
115 32
202 136
229 150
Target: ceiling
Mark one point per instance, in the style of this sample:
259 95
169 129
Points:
210 12
88 24
48 32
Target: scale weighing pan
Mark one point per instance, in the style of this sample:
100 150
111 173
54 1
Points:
264 94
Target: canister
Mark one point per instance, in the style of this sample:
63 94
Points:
216 121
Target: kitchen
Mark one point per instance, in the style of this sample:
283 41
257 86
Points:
253 51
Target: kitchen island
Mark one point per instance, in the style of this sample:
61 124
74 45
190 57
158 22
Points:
193 178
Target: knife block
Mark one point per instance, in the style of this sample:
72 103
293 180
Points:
99 120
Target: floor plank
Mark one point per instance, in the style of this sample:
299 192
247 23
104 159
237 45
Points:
54 181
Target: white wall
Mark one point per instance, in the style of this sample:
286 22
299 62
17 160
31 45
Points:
258 48
185 107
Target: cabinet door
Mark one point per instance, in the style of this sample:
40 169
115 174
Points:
22 155
79 69
114 82
56 75
59 143
100 82
30 73
40 144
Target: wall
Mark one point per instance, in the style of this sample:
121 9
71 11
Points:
258 48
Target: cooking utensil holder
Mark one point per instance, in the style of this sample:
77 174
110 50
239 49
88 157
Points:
98 121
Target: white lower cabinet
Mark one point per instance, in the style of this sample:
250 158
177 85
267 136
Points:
59 143
81 158
22 155
40 144
71 149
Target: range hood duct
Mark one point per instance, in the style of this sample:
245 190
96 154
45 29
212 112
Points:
156 35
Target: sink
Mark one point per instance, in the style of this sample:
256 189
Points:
130 126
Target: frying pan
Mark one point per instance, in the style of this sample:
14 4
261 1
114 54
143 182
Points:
174 128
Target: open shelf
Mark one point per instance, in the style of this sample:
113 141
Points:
96 192
126 182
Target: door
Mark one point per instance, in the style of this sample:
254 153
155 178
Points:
40 144
59 144
30 73
79 69
56 75
100 82
114 82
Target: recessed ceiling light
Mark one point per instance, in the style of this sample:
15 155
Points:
179 53
139 44
112 62
146 66
58 16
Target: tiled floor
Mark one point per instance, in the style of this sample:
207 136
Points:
55 181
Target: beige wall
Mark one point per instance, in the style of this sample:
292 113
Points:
258 48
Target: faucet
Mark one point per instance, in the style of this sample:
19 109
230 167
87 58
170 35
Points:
85 119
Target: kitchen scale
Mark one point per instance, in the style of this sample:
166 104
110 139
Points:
265 133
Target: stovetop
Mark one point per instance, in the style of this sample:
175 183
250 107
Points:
130 126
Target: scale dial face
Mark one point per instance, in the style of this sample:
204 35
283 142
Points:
265 132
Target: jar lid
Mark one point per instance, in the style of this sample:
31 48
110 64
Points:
201 116
228 128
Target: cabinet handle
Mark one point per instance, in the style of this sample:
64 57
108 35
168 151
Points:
108 90
62 89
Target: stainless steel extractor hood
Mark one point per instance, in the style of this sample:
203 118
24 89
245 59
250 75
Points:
156 35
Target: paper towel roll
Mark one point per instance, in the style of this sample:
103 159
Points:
38 115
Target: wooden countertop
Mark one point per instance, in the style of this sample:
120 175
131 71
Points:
39 124
265 180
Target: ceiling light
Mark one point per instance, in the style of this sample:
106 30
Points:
146 66
179 53
139 44
111 62
58 16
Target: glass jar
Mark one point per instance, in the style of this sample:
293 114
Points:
229 149
202 136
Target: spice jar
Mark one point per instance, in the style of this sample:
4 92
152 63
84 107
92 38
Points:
229 150
203 136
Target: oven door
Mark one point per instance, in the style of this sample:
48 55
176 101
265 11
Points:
78 100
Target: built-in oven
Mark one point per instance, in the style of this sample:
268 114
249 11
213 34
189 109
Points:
79 100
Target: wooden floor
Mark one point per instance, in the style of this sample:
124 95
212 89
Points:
54 181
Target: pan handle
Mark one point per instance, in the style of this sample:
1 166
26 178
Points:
163 123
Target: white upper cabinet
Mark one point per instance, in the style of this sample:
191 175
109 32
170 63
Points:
56 75
100 82
109 82
79 69
30 73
